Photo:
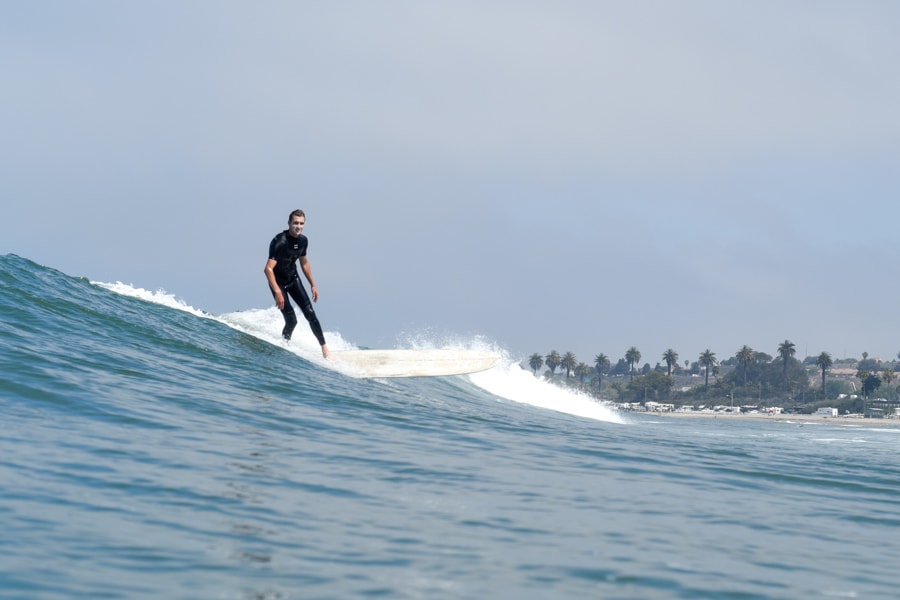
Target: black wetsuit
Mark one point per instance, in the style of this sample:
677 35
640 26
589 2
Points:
285 251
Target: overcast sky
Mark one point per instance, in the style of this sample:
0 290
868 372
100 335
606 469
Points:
551 175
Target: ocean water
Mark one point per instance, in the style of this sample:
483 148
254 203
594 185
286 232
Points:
150 450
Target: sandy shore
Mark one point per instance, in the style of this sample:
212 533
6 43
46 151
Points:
819 419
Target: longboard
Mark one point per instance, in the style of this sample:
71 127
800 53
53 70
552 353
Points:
414 363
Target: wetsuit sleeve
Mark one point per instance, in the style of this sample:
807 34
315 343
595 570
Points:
273 248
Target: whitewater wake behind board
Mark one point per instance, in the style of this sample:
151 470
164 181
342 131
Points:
414 363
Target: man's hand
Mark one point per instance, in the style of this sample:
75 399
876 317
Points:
279 300
315 293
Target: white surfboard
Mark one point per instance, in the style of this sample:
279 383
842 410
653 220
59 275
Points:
413 363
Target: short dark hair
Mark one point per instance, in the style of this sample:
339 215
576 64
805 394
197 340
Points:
296 213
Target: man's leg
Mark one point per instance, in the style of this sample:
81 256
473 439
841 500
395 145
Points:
290 317
298 293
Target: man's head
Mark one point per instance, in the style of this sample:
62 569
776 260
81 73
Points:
296 221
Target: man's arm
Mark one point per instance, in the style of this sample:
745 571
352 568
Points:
270 276
307 270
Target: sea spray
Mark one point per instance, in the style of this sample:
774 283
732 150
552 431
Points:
507 380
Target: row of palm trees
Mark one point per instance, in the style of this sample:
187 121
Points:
554 361
707 360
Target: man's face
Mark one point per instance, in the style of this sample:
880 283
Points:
296 226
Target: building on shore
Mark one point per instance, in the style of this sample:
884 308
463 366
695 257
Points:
827 411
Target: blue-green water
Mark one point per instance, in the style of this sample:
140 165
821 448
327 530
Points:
151 451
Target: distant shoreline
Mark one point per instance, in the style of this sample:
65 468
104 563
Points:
817 419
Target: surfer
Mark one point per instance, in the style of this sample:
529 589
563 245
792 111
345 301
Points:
285 250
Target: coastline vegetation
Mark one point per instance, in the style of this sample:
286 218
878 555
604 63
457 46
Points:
748 378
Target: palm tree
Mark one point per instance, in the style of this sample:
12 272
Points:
568 362
601 364
632 356
535 362
744 357
671 358
824 362
581 370
552 361
707 360
786 350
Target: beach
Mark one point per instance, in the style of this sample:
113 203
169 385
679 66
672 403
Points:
789 418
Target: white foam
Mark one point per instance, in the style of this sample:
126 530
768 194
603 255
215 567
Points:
157 297
507 380
264 324
510 381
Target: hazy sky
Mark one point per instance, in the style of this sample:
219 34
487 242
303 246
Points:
559 175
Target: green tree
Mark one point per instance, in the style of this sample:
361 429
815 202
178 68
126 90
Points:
671 358
765 378
581 371
744 357
653 384
552 361
888 375
632 356
535 362
762 357
868 364
824 362
708 361
569 362
871 383
786 351
601 364
620 368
